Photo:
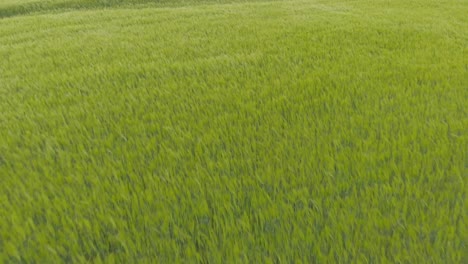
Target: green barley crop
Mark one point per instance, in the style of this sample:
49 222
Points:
300 131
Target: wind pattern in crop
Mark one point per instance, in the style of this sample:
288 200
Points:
239 132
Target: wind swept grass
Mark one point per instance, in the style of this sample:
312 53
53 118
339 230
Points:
287 131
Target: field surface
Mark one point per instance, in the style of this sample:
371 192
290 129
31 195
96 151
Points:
233 131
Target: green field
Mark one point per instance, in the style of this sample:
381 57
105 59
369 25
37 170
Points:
297 131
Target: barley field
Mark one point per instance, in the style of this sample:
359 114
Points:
295 131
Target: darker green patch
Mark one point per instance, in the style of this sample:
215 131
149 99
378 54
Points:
53 6
47 6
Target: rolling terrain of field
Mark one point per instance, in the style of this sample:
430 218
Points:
233 132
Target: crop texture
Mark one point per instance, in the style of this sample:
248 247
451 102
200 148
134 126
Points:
233 132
